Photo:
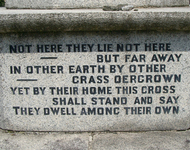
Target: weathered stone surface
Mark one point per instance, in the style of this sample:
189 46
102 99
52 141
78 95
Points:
43 141
158 19
146 140
148 74
45 4
93 141
145 65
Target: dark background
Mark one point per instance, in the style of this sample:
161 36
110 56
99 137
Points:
2 3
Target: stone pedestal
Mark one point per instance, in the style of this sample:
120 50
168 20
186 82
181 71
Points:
98 72
95 77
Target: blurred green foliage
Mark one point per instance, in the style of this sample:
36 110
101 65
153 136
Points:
2 3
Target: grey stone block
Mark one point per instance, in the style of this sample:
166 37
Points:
42 107
144 141
48 4
42 66
93 141
43 141
156 19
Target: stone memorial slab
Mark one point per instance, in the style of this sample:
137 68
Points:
54 4
95 81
